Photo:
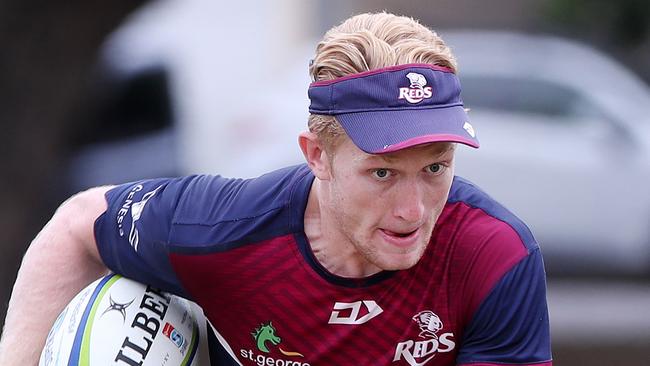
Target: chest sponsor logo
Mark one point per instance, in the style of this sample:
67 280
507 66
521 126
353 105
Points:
266 340
429 343
136 212
353 317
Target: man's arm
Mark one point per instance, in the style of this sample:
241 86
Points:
511 326
60 261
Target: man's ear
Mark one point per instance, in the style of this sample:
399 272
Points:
315 155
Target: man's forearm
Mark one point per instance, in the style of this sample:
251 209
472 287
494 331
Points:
57 265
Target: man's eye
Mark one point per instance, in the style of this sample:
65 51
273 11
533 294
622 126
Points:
381 173
435 168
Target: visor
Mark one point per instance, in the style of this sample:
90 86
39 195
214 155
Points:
392 108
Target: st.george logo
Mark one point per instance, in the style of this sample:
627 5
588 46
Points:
265 333
267 340
336 317
417 91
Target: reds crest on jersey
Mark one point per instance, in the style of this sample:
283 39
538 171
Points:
422 350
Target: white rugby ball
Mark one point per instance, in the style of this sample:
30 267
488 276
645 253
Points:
118 321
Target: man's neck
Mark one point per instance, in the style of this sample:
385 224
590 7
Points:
331 248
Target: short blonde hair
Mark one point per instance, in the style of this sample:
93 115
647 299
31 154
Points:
367 42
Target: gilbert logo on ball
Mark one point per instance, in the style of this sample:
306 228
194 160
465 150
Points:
117 321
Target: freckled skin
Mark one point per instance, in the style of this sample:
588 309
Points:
378 211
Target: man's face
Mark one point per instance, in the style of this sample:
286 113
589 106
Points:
386 206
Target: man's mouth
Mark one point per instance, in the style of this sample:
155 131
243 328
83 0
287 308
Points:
402 238
403 234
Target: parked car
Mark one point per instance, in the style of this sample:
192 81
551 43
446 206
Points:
565 144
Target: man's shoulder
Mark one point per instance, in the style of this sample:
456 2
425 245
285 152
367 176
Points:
215 209
208 198
479 235
480 240
480 216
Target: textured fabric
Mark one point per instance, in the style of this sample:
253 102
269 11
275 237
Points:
237 248
392 108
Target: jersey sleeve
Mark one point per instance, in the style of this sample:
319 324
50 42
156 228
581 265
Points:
148 221
511 325
132 234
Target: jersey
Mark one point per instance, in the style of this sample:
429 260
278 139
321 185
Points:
238 249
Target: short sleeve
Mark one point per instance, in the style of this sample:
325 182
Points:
511 325
132 235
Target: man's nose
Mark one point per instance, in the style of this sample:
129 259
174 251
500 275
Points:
409 202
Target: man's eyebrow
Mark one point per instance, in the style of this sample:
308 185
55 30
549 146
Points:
378 157
387 158
449 148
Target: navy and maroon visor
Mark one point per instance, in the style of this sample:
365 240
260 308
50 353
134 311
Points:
392 108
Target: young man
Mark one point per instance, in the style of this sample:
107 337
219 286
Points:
372 253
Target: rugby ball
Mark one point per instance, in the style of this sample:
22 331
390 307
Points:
118 321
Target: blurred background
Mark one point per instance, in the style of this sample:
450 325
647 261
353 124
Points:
98 92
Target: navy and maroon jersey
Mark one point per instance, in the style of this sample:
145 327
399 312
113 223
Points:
238 249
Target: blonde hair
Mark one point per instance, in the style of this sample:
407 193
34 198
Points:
366 42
